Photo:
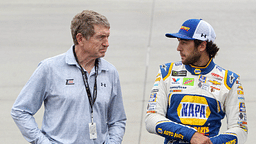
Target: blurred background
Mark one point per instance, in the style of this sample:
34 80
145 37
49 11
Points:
33 30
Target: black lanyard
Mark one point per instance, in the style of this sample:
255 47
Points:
86 84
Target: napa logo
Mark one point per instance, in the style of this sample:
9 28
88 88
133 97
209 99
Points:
197 71
159 130
193 110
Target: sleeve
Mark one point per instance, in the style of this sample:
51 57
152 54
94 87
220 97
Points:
156 121
28 103
236 114
116 114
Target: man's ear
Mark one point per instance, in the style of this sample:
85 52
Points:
202 46
79 38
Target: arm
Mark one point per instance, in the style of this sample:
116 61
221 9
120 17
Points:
27 104
156 121
236 117
116 115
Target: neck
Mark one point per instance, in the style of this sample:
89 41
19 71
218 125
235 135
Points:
203 61
84 60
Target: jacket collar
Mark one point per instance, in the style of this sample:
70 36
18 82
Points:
194 70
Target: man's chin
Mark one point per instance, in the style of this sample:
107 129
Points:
102 55
185 62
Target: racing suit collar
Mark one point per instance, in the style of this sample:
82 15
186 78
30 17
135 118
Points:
195 70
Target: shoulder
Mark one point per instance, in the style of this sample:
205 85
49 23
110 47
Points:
104 65
56 60
166 69
229 76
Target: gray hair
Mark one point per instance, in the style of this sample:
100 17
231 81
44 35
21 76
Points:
84 23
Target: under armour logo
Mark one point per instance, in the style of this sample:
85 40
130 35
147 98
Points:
103 84
203 35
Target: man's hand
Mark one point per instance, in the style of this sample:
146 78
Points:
198 138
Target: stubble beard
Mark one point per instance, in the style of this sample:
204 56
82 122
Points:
193 58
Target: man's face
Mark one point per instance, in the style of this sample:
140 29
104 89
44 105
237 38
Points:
96 46
188 52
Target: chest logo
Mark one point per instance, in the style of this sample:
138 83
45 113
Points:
179 73
202 79
197 71
70 82
193 110
188 81
175 80
214 82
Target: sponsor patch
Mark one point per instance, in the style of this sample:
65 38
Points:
217 76
159 130
175 80
151 111
179 73
178 87
241 123
203 86
214 88
202 79
178 63
240 87
219 68
241 98
188 81
175 91
214 82
242 116
185 28
240 92
152 97
151 106
242 107
245 128
193 110
154 90
70 82
197 71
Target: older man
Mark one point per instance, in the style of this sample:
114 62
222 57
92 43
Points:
80 90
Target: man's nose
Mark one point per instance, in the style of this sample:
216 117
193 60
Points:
179 47
105 43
